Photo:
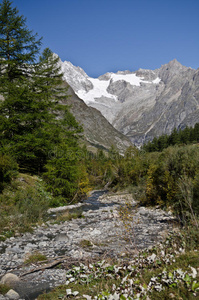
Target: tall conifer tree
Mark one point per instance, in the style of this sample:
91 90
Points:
32 118
18 51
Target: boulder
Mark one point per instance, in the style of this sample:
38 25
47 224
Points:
9 279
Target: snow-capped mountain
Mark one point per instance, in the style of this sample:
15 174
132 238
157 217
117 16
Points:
98 132
141 104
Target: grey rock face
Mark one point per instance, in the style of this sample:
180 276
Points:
75 76
147 103
97 130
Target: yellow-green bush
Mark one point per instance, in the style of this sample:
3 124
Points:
174 179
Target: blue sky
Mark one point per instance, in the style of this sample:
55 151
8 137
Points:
109 35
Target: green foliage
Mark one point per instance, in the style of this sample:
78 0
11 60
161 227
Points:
34 258
18 51
173 180
18 47
31 204
177 137
63 173
85 244
8 170
37 122
23 203
48 83
169 178
4 288
34 120
68 215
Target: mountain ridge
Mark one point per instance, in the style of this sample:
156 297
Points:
98 132
144 103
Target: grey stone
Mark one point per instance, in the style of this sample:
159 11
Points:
42 244
62 237
9 279
11 294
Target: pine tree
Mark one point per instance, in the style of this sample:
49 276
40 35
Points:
32 118
18 51
196 132
49 81
185 135
174 137
18 46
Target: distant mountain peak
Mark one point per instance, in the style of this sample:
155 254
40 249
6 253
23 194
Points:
144 103
174 62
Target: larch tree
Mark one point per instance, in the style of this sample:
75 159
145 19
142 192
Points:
33 119
18 52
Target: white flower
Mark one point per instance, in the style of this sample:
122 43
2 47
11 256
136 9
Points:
151 258
153 279
158 287
68 292
124 279
72 279
194 272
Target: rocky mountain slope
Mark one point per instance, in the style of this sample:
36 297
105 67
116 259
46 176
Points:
141 104
97 130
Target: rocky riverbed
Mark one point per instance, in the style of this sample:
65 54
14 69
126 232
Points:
100 232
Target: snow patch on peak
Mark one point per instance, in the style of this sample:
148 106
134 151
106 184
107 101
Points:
100 86
99 90
90 90
131 78
157 80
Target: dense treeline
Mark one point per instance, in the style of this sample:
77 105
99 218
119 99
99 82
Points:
180 137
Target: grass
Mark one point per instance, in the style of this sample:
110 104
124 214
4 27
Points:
85 244
68 215
93 288
4 289
23 204
34 258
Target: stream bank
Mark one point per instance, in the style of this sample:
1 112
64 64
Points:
99 233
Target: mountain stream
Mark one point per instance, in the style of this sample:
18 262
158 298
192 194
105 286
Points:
98 233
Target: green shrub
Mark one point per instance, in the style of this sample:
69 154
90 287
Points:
8 170
174 180
31 204
23 203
